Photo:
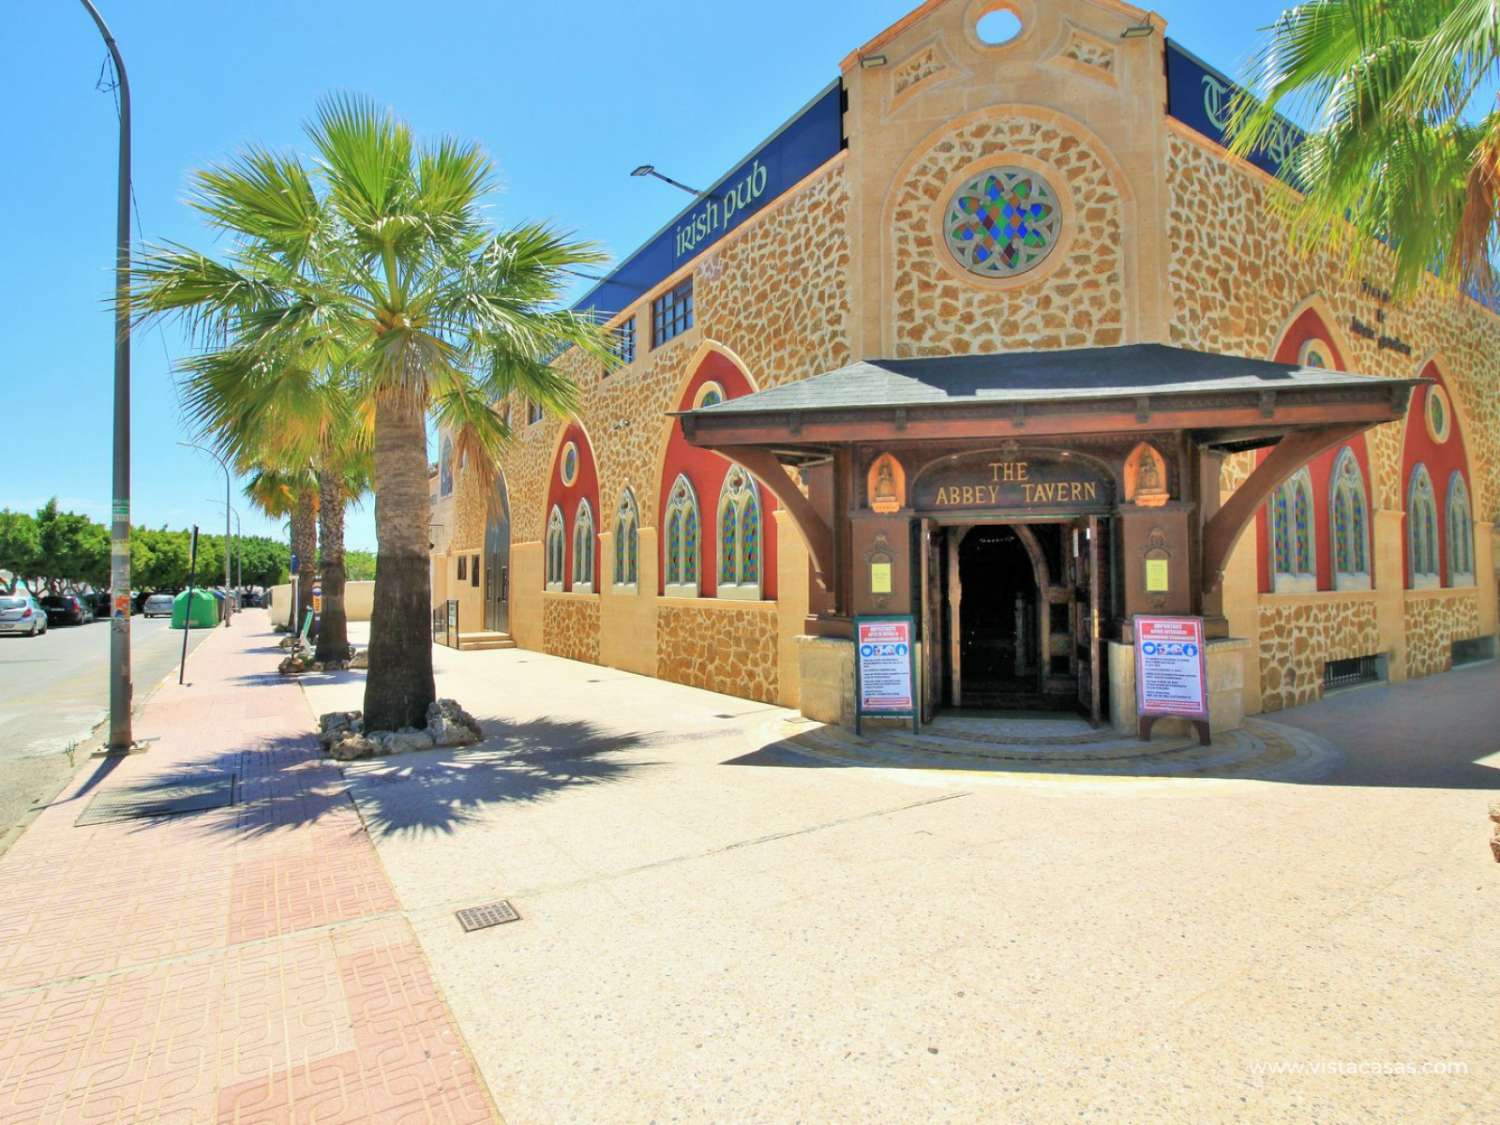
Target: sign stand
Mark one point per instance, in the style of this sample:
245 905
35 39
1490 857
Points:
885 669
1171 673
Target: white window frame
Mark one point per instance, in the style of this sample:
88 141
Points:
1349 579
583 548
1295 581
681 589
1460 532
732 503
627 526
556 551
1418 498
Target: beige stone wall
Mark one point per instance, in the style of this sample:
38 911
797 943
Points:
1074 299
1236 285
570 626
772 296
1434 620
1300 634
712 645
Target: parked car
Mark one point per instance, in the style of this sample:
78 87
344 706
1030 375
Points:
20 613
66 609
157 605
100 603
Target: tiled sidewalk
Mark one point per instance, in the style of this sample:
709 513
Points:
241 964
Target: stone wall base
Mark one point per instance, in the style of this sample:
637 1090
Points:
1226 687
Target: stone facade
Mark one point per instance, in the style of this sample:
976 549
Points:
570 626
1434 620
1073 299
1298 635
1236 283
1165 239
730 650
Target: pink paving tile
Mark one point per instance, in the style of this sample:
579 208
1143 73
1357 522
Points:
246 963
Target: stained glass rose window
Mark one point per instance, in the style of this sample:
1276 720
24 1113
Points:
1002 222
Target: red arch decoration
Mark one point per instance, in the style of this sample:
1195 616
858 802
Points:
706 471
585 486
1310 326
1442 461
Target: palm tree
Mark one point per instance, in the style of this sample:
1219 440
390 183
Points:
392 270
1400 154
291 494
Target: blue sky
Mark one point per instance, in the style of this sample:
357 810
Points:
566 98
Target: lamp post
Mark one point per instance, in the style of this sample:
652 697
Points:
120 688
650 170
239 547
223 464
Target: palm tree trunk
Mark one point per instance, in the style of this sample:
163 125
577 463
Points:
399 686
333 628
305 547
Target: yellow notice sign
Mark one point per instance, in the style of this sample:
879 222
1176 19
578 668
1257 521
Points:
880 578
1156 576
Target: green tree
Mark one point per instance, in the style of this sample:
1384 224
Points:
433 313
1402 153
360 565
72 551
20 546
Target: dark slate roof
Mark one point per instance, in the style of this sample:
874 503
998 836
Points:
1080 373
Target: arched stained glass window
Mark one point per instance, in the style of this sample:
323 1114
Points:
1460 533
1294 564
682 545
1349 524
739 535
583 549
1422 530
556 543
627 541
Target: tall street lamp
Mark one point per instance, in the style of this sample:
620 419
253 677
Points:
223 464
239 548
120 690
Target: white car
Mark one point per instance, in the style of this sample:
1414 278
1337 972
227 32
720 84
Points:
157 605
20 613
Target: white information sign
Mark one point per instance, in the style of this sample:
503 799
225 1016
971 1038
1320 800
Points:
883 649
1171 667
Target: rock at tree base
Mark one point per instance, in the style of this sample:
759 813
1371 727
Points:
361 659
343 737
450 725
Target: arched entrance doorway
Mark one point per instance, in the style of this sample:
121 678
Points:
497 561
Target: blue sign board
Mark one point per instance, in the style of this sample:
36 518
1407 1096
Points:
1201 97
805 143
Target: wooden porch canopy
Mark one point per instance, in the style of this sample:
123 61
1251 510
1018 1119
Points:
1225 403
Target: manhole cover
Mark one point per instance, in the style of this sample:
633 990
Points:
183 795
490 914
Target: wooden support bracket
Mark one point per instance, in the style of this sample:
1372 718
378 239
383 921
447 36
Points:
1223 529
769 471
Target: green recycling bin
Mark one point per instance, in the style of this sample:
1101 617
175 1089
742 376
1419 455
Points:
205 613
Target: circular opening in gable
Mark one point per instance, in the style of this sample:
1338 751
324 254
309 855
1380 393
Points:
997 27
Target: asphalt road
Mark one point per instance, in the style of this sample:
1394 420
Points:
55 692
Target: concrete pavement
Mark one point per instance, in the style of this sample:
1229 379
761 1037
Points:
713 928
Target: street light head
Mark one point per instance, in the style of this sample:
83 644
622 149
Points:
644 170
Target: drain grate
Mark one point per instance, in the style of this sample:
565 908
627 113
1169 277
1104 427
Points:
191 793
473 918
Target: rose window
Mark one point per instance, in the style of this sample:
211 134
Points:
1002 222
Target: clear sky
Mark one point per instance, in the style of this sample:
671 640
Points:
566 97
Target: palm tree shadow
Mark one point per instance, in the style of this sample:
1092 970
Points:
281 785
